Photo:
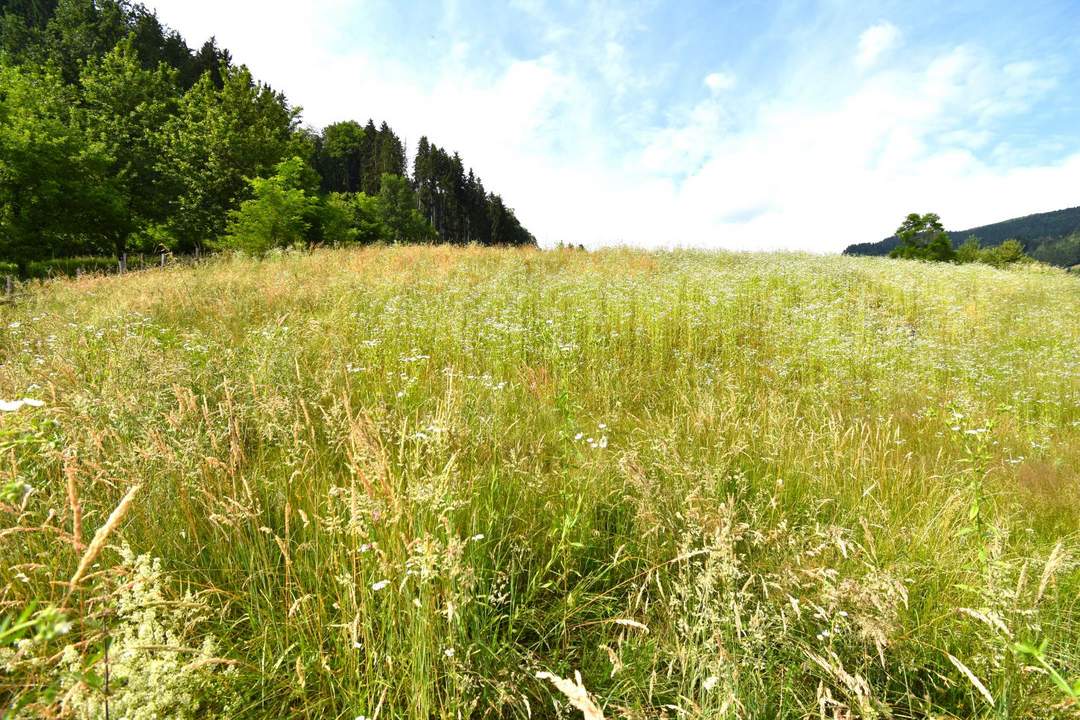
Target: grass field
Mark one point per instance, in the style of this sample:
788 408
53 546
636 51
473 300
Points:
401 483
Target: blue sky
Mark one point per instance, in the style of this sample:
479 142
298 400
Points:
746 125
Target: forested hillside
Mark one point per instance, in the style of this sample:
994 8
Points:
1051 237
117 137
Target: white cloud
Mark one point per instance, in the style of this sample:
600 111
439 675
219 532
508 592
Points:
874 42
803 167
719 81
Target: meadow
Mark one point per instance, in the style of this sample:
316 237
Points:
425 482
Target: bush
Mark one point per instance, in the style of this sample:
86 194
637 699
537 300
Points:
279 214
1007 253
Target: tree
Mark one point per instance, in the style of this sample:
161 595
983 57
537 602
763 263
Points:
80 30
123 109
923 237
341 157
55 186
337 220
970 251
398 213
279 214
215 142
1007 253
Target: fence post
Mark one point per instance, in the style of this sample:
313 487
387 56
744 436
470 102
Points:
7 284
162 259
123 263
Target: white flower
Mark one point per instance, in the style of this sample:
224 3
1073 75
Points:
379 585
13 405
710 682
477 537
579 436
449 652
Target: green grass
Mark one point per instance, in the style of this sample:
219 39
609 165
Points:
399 483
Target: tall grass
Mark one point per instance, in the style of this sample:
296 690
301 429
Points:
438 483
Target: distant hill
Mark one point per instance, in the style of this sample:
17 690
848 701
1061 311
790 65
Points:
1052 237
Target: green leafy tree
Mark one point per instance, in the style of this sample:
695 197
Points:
341 156
923 237
80 30
56 190
1007 253
337 220
279 214
216 140
970 251
123 109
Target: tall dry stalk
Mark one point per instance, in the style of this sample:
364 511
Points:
576 693
102 536
73 500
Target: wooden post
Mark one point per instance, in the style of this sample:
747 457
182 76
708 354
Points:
162 259
7 284
123 263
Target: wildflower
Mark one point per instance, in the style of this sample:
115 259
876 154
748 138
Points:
477 537
449 652
379 585
13 405
710 682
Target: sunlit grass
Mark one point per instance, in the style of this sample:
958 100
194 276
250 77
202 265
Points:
401 482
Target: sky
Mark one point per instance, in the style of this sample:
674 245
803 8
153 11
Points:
739 125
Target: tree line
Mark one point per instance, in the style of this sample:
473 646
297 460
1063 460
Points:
923 237
117 137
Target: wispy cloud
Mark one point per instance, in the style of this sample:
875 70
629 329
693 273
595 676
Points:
874 42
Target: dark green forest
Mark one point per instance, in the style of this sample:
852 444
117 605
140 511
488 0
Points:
1050 237
117 137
